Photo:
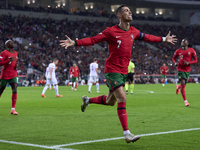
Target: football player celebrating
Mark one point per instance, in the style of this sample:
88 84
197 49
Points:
187 56
9 75
120 38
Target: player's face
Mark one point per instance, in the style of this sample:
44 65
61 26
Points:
56 62
74 65
164 65
10 44
126 14
184 43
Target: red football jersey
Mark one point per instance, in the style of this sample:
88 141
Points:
120 46
185 55
164 69
9 70
74 71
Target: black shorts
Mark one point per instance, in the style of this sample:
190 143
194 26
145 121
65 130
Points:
129 77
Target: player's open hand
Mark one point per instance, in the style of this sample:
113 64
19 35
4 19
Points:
171 39
11 59
67 43
186 63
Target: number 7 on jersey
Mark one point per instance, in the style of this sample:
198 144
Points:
119 43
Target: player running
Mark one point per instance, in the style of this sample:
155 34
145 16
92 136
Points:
130 77
8 58
74 75
93 76
163 70
187 56
120 38
51 78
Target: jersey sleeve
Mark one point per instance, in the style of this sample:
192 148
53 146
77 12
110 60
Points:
194 56
133 65
70 71
97 66
175 56
78 73
51 66
2 56
2 59
147 37
103 36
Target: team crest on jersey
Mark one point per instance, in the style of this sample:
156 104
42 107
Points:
115 82
188 53
132 36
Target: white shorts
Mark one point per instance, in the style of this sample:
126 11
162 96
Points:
52 81
93 79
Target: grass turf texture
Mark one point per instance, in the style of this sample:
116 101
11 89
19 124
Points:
55 121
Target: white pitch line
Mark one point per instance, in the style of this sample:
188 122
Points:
34 145
117 138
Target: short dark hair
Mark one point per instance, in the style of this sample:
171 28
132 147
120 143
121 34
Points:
95 59
55 59
119 9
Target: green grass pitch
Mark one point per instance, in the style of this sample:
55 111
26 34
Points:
55 121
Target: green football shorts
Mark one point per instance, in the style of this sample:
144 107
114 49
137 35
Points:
115 80
163 76
74 79
183 75
4 82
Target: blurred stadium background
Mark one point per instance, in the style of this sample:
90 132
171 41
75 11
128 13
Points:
36 26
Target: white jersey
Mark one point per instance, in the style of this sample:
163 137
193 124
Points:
51 66
93 67
47 71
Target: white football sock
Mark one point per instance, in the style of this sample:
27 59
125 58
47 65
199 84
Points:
45 88
50 86
90 86
126 132
185 101
56 89
97 85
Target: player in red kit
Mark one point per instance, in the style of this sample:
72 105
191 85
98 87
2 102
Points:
187 56
9 72
74 75
120 38
163 70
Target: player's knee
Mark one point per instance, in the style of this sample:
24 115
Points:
122 99
14 91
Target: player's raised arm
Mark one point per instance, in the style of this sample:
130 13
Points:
152 38
103 36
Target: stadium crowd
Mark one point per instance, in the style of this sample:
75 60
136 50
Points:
44 35
99 12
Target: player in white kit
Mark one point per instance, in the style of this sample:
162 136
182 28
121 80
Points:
47 71
93 76
51 78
